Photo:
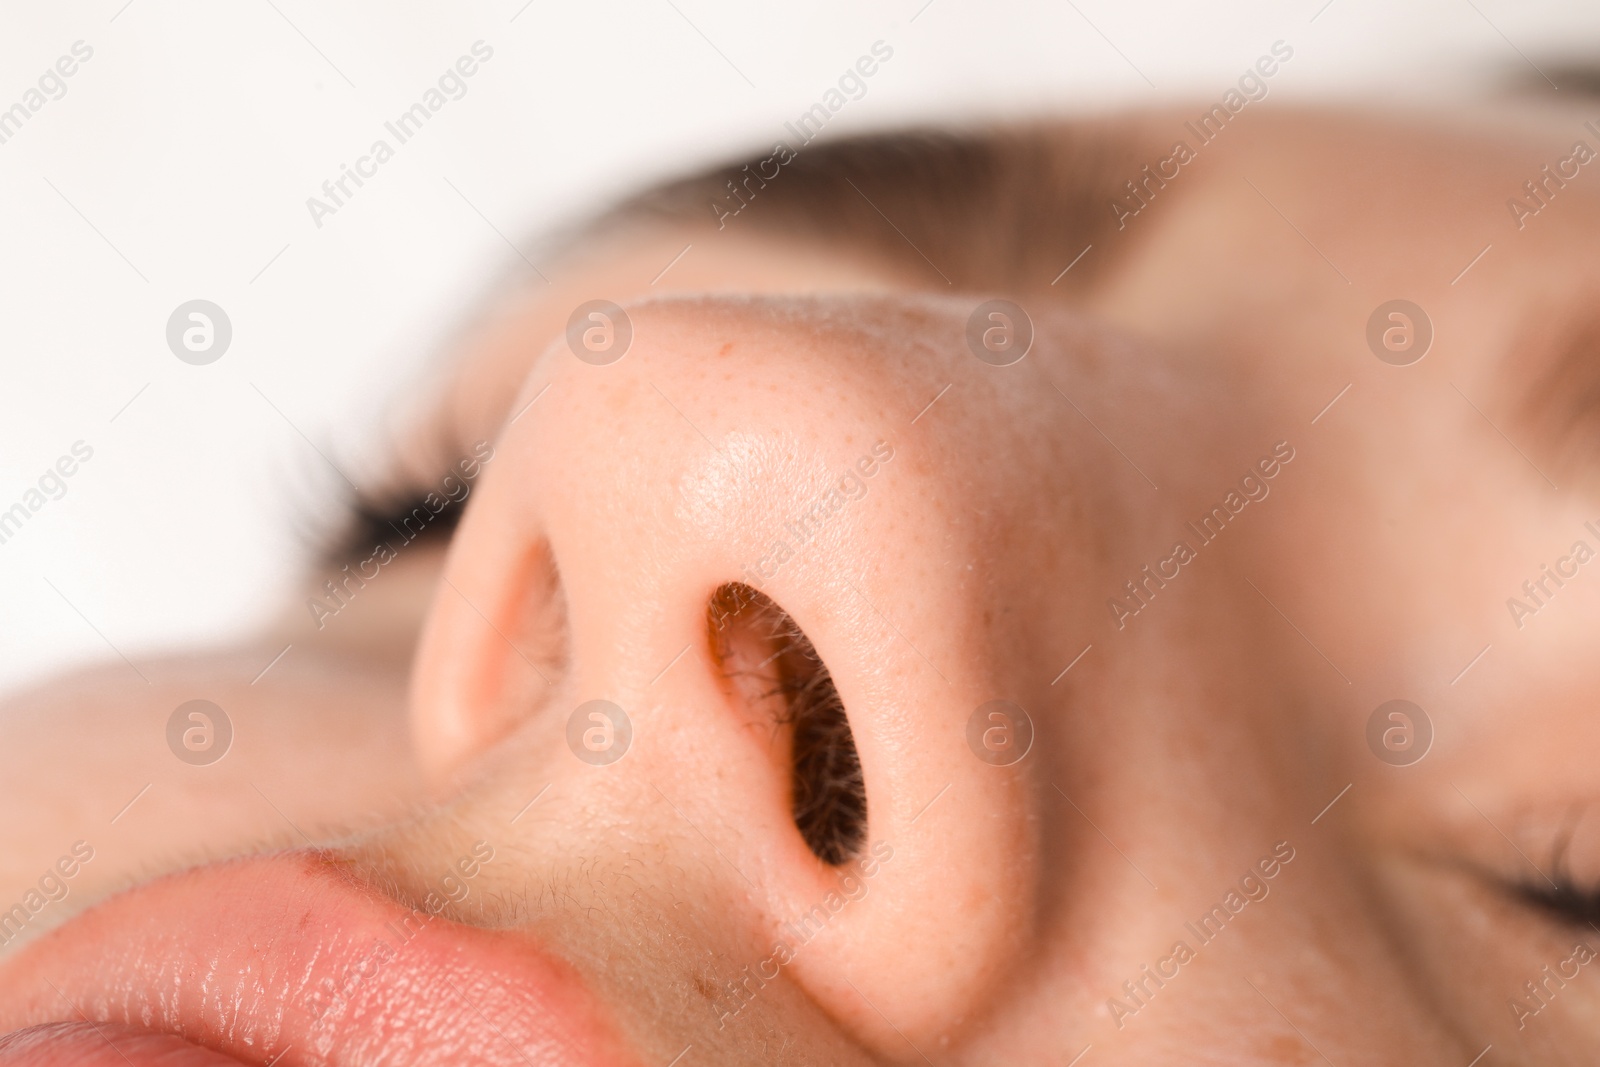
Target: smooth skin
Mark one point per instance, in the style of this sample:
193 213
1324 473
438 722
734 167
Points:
1218 733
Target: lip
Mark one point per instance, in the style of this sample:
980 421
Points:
291 960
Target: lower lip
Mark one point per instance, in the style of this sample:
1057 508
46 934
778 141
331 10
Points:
289 960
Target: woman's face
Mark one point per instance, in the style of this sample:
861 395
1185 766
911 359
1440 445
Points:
824 672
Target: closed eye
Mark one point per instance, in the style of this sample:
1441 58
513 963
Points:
1562 895
1567 902
418 503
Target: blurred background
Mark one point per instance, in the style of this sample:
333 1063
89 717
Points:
175 163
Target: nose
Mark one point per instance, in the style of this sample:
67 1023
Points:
756 584
775 602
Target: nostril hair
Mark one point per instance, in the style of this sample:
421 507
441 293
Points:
770 661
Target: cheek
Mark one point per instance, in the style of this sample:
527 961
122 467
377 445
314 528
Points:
86 746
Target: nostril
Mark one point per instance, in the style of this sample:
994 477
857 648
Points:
772 666
830 799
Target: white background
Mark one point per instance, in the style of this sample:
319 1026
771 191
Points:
179 161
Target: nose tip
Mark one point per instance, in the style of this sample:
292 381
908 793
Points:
770 452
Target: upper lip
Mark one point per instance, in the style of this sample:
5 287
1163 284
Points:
291 959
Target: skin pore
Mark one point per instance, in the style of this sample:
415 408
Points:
1201 776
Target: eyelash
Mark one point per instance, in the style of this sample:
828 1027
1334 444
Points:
379 520
376 516
1560 894
1567 901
